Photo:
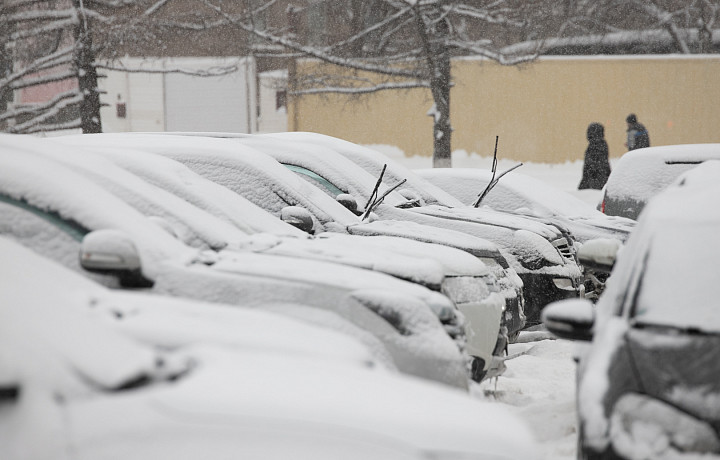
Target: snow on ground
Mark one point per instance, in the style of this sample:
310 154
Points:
539 387
539 384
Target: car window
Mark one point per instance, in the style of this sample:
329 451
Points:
47 233
679 278
43 232
71 228
316 179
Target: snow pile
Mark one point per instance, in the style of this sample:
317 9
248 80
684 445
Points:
539 387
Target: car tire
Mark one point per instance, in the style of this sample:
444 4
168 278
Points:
477 369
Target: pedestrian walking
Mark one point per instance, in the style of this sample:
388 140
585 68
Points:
637 134
596 167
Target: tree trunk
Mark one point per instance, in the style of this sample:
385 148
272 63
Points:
442 129
87 76
434 30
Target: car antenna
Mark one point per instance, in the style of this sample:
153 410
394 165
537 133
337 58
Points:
494 181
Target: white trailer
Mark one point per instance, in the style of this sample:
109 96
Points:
180 94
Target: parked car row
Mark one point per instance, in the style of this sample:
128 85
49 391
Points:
648 381
428 282
90 373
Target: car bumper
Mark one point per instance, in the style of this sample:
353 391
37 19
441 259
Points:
541 289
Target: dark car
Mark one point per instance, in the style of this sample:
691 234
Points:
649 383
641 174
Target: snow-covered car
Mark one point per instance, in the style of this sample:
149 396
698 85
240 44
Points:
648 384
521 194
228 224
540 254
525 195
460 275
62 215
88 373
641 174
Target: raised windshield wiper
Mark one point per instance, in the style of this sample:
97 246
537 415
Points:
493 181
374 201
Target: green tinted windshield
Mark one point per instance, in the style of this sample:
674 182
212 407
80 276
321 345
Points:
319 180
72 228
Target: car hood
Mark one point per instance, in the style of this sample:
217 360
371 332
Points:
490 217
237 398
357 252
679 368
476 246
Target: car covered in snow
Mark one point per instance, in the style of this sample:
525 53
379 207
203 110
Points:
61 214
462 277
541 254
521 194
649 383
641 174
88 373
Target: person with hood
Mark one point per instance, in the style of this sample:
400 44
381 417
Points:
596 167
637 134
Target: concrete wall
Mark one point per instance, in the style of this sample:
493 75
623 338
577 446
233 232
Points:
540 110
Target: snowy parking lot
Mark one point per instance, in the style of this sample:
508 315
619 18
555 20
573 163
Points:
539 387
539 383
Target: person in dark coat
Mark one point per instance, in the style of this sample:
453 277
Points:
637 134
596 168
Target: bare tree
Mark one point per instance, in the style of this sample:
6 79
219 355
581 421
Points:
55 50
633 27
384 45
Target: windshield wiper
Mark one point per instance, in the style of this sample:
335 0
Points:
493 181
374 201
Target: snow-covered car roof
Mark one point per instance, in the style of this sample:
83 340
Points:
327 163
642 173
241 169
372 161
71 361
29 177
179 180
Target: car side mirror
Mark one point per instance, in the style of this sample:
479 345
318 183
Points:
599 254
113 252
297 217
571 319
349 202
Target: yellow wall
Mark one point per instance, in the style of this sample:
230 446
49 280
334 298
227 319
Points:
540 110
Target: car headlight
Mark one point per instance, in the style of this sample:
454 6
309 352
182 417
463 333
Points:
385 308
564 283
465 289
644 427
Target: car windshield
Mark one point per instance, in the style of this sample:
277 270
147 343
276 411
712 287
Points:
680 275
316 179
